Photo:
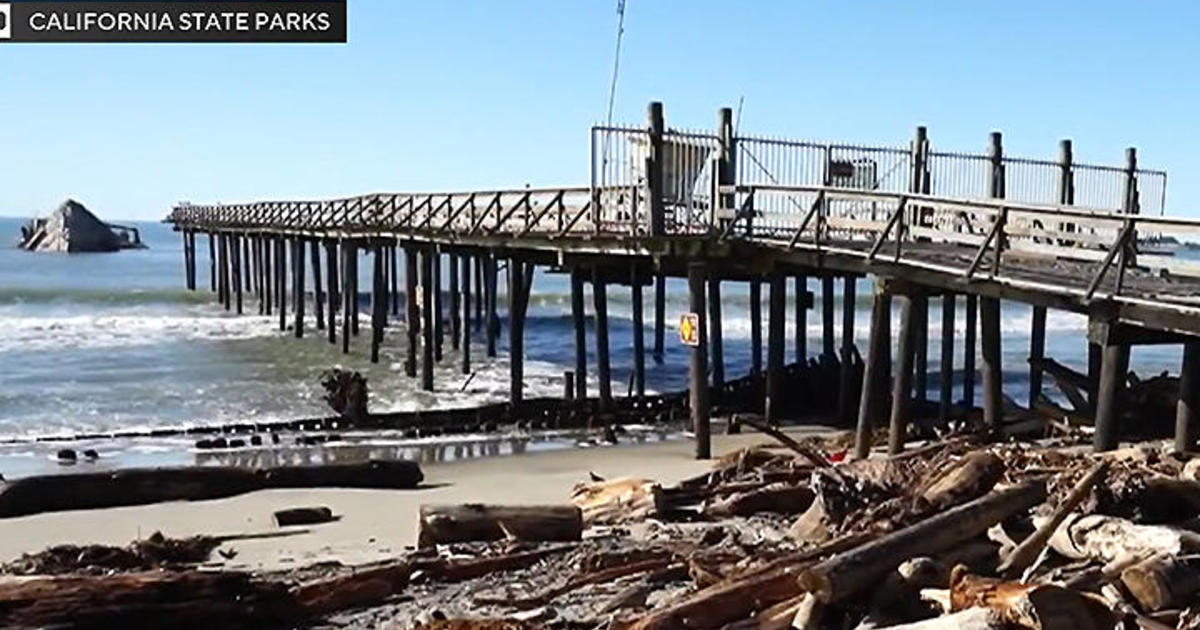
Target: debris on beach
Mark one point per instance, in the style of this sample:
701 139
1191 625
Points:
73 228
959 533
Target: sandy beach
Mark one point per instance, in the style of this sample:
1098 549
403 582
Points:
374 524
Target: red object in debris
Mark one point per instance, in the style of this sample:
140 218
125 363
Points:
839 456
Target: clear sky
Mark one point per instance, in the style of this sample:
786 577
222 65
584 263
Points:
440 95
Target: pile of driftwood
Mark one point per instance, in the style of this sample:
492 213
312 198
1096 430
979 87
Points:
955 534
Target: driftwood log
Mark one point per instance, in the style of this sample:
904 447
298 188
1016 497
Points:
1028 550
848 573
780 498
442 524
970 619
1163 582
623 500
1109 538
140 486
1030 605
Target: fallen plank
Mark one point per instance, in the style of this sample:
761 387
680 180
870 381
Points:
441 524
1028 550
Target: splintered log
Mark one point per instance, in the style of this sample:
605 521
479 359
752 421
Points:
1163 582
737 598
973 476
1025 553
848 573
442 524
811 454
304 516
802 612
189 599
1030 605
780 498
1109 538
623 500
140 486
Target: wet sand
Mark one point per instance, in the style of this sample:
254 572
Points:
375 524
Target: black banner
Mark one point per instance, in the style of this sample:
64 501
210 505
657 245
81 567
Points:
158 21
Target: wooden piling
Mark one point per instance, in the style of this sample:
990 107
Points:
902 383
846 411
354 306
267 276
223 270
331 291
1037 350
480 293
394 279
993 377
1187 411
875 373
246 263
827 317
465 331
698 367
347 294
655 164
298 286
660 316
756 327
427 312
603 368
493 321
281 281
772 411
212 262
971 312
314 247
187 262
412 315
946 373
578 324
639 333
455 315
439 332
518 273
378 299
921 360
1095 356
1113 367
235 246
803 302
716 342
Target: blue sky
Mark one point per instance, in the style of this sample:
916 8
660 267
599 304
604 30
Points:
446 95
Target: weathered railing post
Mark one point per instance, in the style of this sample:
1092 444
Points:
654 169
698 369
989 307
1132 206
726 165
1037 332
918 158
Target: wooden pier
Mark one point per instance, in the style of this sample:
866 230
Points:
933 229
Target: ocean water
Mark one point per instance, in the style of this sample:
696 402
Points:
94 342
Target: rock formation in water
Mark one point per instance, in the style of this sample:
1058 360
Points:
73 228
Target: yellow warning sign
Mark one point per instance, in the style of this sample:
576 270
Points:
689 329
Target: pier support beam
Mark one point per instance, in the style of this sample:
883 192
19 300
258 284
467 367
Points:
993 376
902 383
660 316
394 278
298 285
971 312
331 290
246 263
875 373
1187 412
579 326
639 333
267 277
480 293
318 293
946 389
353 287
493 321
281 281
520 279
921 362
716 342
212 262
1037 350
223 269
466 314
756 328
1114 365
378 299
455 315
603 368
412 308
827 316
427 311
235 246
846 411
775 344
347 294
439 332
803 302
698 367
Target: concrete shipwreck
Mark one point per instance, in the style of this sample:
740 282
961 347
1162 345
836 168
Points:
73 228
